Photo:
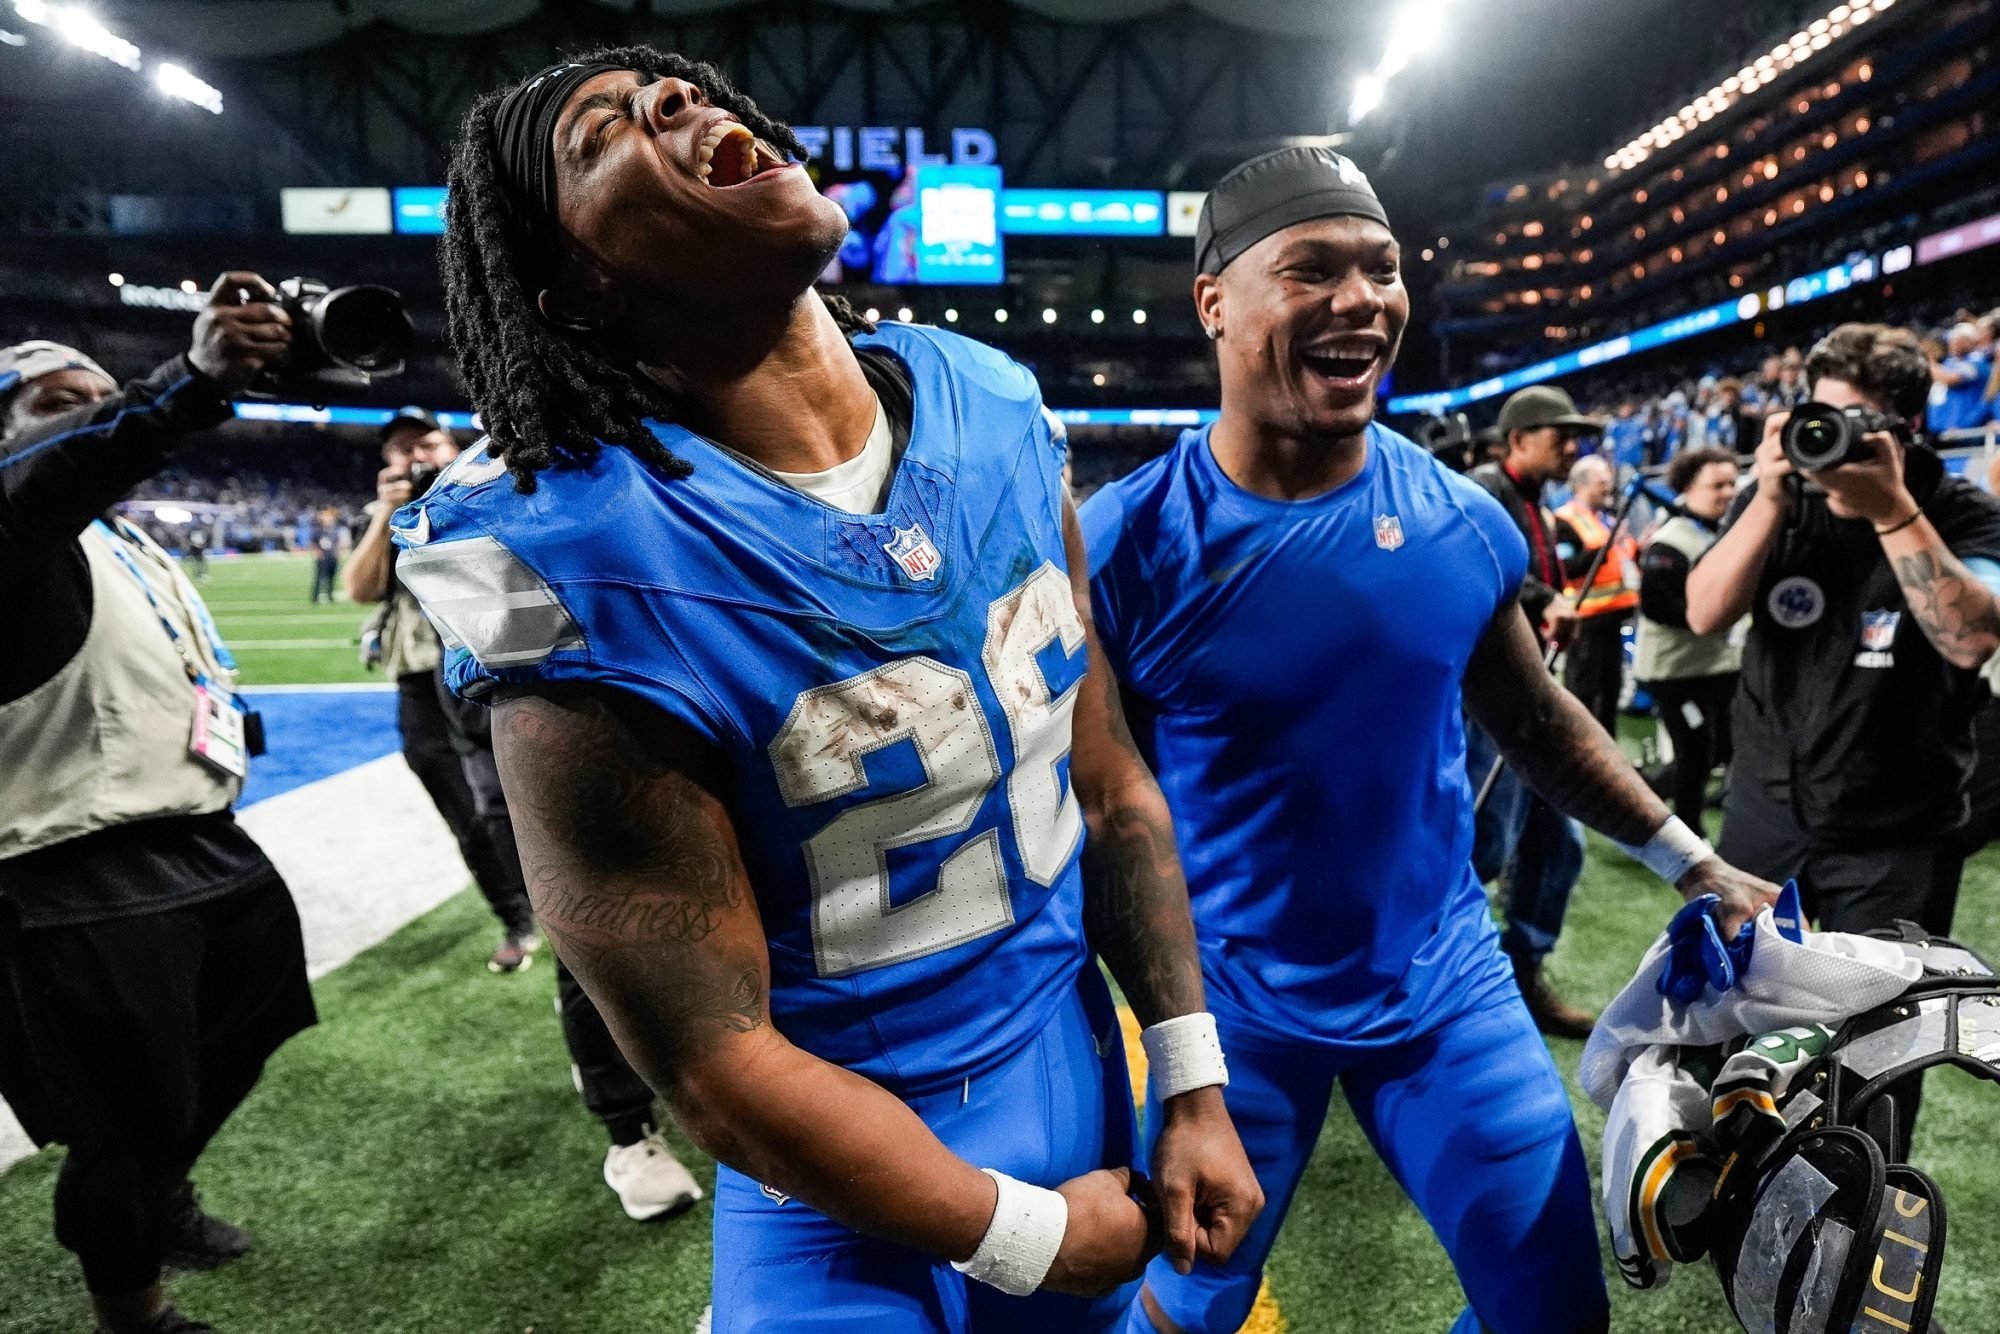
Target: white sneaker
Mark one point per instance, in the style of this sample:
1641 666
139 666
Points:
650 1182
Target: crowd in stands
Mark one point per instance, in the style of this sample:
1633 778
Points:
1649 424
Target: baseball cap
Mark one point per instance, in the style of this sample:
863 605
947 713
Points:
1542 405
38 357
410 416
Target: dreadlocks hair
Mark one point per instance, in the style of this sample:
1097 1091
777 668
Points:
549 397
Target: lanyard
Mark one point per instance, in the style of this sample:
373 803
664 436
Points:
196 611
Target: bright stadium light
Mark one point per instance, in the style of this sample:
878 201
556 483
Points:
951 315
905 314
1048 314
1097 317
871 314
174 81
1367 96
117 279
1000 315
80 28
1414 31
1757 72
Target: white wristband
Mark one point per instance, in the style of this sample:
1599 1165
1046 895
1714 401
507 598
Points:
1673 851
1022 1240
1184 1054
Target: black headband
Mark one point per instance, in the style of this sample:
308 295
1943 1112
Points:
1270 193
524 130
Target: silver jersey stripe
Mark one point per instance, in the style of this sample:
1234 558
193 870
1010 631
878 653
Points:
479 594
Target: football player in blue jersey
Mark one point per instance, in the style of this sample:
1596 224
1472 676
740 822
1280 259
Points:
806 734
1295 600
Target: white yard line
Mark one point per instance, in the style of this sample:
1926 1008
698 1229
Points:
365 853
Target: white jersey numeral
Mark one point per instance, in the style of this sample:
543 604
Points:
818 755
1047 822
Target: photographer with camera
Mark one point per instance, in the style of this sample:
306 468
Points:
150 955
1869 573
448 743
414 450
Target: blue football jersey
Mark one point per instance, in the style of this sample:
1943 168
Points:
892 694
1294 674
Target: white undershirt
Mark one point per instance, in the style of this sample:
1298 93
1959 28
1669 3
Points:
861 484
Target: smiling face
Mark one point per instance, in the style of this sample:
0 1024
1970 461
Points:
1310 319
663 197
1710 493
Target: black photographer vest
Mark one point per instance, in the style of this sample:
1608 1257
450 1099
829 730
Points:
1846 716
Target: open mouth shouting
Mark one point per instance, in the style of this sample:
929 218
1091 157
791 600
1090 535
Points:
728 155
1346 364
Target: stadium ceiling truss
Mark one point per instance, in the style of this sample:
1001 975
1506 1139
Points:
1139 103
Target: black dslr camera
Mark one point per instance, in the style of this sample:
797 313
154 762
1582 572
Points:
342 337
1819 436
421 477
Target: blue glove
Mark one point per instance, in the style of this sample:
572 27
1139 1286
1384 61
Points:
1698 956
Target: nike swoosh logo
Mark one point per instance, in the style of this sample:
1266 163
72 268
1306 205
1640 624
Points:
418 535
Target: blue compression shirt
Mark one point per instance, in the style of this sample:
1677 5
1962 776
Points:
1293 671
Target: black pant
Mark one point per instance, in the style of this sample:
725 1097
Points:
1595 669
611 1089
1845 889
485 837
1695 712
145 1033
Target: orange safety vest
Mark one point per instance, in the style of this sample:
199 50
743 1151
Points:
1610 593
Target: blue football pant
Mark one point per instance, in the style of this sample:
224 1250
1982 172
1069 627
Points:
1475 1126
1060 1108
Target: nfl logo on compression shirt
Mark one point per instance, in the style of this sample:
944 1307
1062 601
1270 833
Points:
913 549
1388 532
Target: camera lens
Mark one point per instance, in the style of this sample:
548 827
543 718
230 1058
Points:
1820 437
365 328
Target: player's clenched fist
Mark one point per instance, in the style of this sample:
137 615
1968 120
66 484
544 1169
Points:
1109 1236
1208 1194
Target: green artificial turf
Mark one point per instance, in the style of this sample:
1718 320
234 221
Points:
262 607
420 1162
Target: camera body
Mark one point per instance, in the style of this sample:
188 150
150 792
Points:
421 477
1819 436
342 337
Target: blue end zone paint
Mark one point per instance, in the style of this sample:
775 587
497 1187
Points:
315 734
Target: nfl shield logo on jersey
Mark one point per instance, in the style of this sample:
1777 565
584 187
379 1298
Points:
913 549
1878 629
1388 532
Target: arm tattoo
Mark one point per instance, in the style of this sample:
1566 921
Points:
1135 898
1551 740
1956 612
1575 765
636 878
